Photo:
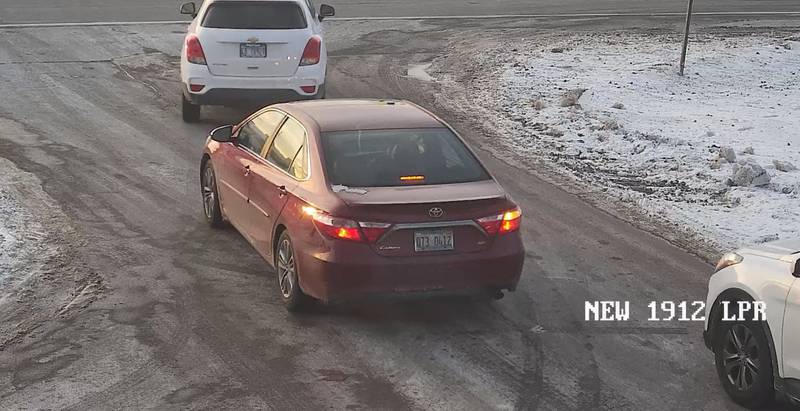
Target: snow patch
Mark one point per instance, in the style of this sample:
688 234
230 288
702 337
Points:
645 135
420 72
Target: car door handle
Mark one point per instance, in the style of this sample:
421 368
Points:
246 171
282 191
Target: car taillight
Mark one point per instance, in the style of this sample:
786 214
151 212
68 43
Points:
340 228
194 51
506 222
345 229
311 54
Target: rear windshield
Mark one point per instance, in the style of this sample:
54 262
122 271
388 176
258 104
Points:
387 158
252 15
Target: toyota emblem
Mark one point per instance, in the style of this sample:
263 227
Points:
435 212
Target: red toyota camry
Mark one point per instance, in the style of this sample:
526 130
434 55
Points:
352 197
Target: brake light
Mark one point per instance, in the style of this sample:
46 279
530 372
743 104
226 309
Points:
194 51
340 228
511 221
344 229
308 89
506 222
311 54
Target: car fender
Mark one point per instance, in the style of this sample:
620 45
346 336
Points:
756 279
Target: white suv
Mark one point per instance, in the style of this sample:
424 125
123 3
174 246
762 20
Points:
753 322
252 52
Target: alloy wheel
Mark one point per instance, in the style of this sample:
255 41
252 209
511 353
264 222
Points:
741 357
286 268
209 192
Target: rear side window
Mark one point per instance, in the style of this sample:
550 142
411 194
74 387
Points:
387 158
288 145
254 15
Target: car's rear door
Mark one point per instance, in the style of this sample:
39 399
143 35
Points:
254 38
285 165
235 165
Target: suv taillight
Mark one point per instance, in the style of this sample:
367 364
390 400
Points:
344 229
311 54
194 51
505 222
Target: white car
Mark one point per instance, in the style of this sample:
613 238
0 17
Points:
252 52
753 322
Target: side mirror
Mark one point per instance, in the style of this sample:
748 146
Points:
189 8
222 134
326 11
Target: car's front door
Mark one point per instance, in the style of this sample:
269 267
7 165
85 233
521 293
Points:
285 165
235 174
791 333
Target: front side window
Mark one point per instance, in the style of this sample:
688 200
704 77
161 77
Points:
267 123
287 145
387 158
251 138
254 15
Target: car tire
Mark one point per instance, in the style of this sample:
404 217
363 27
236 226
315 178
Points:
211 208
191 112
288 279
744 363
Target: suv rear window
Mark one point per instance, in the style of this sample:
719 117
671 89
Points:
388 158
252 15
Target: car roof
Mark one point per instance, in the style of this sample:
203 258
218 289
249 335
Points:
363 114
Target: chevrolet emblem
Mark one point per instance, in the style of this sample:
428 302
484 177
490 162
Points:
253 40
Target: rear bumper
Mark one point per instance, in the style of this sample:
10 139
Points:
350 270
230 90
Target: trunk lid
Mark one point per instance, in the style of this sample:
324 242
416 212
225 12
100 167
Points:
413 212
223 50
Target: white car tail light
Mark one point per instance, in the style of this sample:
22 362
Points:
312 52
194 51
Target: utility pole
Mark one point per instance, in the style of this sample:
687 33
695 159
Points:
686 35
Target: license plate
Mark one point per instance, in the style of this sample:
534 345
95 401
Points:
252 51
433 240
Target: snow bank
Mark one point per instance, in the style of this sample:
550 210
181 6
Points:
705 150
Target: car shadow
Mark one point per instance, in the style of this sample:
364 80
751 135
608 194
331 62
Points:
220 116
425 308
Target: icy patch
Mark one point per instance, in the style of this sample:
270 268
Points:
24 249
8 242
420 72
